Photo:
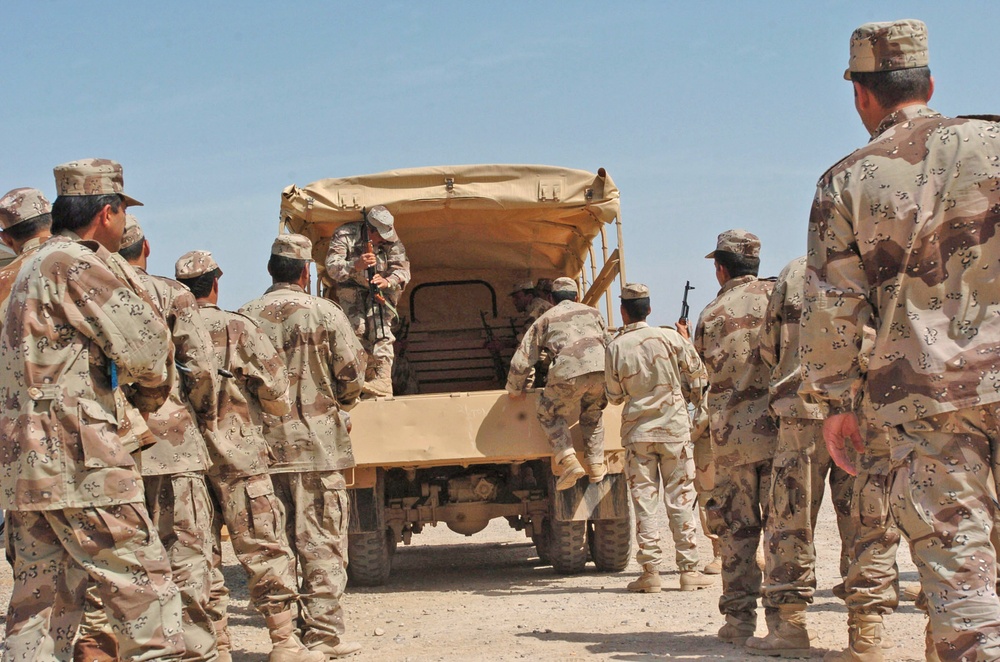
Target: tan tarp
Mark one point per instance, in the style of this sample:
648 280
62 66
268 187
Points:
524 221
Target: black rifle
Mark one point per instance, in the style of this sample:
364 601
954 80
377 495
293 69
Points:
498 366
374 294
685 308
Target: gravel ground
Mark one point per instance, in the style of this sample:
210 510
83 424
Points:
487 597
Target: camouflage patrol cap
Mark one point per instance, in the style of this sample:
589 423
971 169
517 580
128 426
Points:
543 285
523 286
295 246
634 291
133 232
22 204
564 285
740 242
380 219
195 263
92 177
888 46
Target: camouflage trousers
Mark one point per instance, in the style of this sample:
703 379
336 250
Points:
942 499
377 339
256 523
737 511
799 472
557 402
317 510
650 468
704 479
58 553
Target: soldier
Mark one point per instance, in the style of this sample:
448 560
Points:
311 444
347 263
173 468
74 335
656 373
528 302
743 434
255 382
574 335
902 237
798 475
25 222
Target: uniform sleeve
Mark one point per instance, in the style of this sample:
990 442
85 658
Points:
347 362
770 333
194 352
263 370
398 271
339 265
694 378
835 308
613 386
525 357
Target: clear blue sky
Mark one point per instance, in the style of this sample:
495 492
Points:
707 115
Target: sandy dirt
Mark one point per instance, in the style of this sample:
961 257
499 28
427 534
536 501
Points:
487 597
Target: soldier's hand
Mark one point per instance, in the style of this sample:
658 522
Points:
364 261
836 431
682 328
380 282
516 397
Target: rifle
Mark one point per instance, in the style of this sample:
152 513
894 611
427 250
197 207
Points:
498 366
685 308
374 294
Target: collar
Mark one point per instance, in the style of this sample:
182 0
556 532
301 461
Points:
733 283
634 326
31 245
904 114
284 286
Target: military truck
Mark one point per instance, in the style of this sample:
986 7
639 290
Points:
458 450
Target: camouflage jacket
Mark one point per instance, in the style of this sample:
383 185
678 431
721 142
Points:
536 309
728 340
391 262
259 384
326 370
186 421
656 373
779 344
72 330
902 236
573 334
10 270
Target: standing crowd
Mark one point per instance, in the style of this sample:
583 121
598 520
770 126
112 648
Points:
139 417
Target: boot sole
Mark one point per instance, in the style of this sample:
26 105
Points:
696 588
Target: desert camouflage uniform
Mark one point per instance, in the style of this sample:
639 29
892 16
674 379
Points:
239 474
72 491
351 290
574 335
656 372
902 236
743 434
801 460
311 445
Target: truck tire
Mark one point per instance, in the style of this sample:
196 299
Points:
610 542
369 557
542 544
567 546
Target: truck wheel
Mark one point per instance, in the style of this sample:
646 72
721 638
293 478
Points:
567 546
369 556
610 542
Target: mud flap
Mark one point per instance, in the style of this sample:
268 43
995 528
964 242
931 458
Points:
592 501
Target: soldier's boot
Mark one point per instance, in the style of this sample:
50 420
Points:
597 471
95 646
865 640
692 580
715 566
787 638
648 581
839 591
286 646
570 469
910 592
738 628
222 641
380 383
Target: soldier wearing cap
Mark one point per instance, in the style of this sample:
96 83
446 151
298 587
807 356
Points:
74 335
25 222
743 432
655 372
255 385
902 236
574 335
347 263
311 445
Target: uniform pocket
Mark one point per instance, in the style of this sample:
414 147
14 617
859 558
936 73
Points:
102 448
264 510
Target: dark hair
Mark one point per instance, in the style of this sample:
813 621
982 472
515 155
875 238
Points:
72 212
892 88
738 265
559 297
637 309
29 228
201 286
285 269
132 252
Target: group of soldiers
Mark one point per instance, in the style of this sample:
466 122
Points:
886 334
140 418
